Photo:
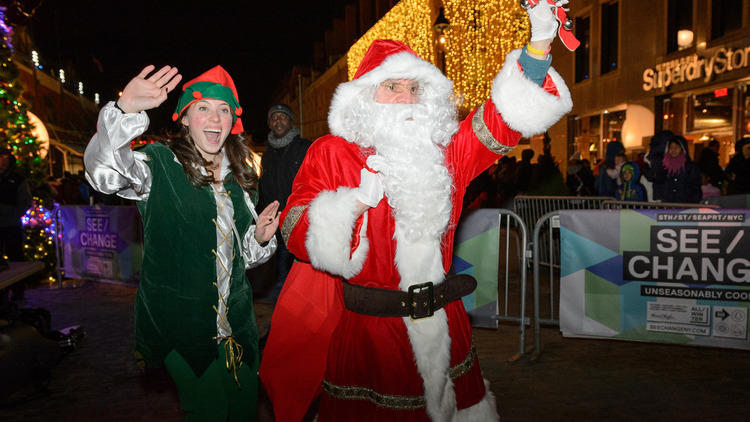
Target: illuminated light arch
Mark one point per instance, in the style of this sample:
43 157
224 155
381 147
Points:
40 133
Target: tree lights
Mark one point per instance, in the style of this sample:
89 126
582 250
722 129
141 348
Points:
409 22
480 34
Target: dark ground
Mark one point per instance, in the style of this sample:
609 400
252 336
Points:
571 380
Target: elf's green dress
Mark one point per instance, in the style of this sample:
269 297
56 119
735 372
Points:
194 308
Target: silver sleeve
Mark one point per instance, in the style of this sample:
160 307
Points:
111 166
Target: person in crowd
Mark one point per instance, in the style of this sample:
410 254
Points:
504 177
546 179
194 311
15 199
708 190
525 171
708 163
370 313
653 164
580 180
630 189
606 182
738 169
71 191
678 175
279 165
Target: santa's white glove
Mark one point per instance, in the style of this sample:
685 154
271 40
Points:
543 20
379 164
370 190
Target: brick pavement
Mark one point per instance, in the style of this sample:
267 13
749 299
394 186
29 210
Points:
572 379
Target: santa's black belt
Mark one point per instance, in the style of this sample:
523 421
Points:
420 301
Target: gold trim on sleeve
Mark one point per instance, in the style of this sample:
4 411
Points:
483 134
295 213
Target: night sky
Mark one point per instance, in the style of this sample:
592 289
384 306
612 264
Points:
257 42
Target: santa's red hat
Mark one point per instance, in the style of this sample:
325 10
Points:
385 59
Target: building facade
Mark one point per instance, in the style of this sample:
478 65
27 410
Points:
644 66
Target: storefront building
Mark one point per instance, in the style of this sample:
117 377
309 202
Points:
644 66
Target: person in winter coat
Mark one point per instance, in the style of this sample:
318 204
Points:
738 169
280 163
580 180
709 164
606 181
657 146
678 174
630 189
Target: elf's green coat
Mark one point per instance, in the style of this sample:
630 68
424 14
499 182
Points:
174 308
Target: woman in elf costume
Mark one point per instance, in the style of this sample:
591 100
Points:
194 311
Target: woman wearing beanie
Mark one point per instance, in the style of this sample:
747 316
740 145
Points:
194 311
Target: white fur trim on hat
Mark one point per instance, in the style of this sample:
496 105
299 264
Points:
402 65
525 106
332 216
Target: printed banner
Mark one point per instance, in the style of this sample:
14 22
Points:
102 242
668 276
476 253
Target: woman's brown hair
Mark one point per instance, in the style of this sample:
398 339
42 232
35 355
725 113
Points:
235 151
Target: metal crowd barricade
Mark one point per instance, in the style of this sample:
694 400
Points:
617 205
548 221
514 226
532 208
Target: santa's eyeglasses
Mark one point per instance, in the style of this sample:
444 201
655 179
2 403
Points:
394 87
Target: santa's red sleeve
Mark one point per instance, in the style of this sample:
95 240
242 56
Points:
518 107
320 223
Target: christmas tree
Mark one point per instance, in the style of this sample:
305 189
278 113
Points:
15 129
16 135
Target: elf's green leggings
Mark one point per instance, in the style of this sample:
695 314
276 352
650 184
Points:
214 396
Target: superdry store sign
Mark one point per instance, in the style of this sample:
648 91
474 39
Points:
693 67
671 276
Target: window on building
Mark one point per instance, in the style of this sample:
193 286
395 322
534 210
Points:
583 33
673 113
585 136
612 126
744 111
609 33
726 16
710 110
679 17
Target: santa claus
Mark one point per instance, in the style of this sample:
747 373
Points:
368 317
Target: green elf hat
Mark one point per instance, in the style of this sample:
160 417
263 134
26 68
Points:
214 84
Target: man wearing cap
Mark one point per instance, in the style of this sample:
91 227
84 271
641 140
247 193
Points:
283 156
194 312
369 318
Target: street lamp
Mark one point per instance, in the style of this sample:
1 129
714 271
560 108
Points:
684 38
440 26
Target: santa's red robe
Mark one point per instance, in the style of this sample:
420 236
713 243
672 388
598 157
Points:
366 364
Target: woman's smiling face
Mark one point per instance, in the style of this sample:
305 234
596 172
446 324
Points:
209 123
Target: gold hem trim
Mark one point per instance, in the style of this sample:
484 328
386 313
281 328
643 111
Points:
394 401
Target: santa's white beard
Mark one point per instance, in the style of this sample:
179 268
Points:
415 179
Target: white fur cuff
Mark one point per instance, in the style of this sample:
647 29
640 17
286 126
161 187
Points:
525 106
329 237
485 410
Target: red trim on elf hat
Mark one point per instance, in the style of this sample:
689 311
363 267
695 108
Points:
380 50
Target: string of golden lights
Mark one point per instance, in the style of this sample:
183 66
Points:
480 34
